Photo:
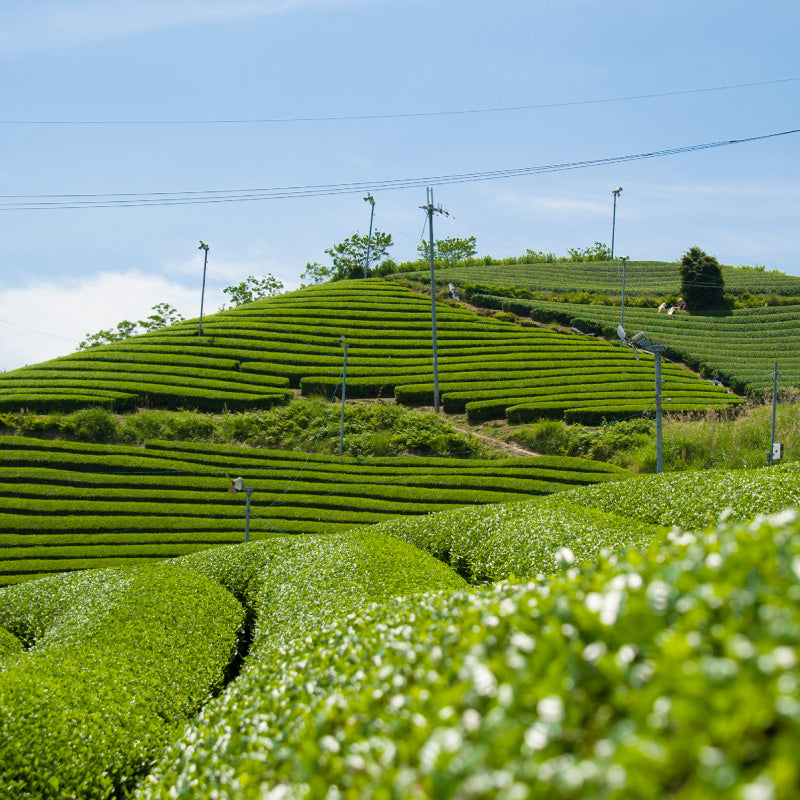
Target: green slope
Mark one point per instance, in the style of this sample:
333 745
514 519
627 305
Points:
69 506
605 277
248 357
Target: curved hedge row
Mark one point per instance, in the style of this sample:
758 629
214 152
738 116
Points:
72 505
116 663
664 671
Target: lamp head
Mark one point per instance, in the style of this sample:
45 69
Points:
370 199
203 245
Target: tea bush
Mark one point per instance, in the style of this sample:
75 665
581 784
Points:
669 670
116 662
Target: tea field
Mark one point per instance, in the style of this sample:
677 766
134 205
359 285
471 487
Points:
621 657
739 348
256 355
73 505
653 278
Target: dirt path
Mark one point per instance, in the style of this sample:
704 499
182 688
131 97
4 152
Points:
497 444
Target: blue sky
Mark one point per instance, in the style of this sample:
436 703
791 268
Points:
68 272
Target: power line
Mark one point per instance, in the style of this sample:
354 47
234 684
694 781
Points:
123 200
402 115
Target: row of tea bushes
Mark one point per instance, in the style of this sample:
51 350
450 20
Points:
738 348
76 505
667 670
656 278
249 356
113 665
497 542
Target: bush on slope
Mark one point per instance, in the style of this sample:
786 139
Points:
662 673
116 661
496 542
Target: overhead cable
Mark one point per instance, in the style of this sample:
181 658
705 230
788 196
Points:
124 200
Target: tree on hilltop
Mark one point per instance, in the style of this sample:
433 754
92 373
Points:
163 315
448 252
702 284
349 256
252 289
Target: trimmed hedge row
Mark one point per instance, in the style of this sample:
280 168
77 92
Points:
72 505
672 667
294 340
116 663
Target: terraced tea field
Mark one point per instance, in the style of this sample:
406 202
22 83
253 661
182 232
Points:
739 349
69 506
253 356
605 277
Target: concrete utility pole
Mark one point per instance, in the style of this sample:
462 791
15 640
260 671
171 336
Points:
204 248
371 200
431 210
344 392
624 261
771 455
616 193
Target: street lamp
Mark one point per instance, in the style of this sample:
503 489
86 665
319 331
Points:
237 485
641 342
371 200
204 248
616 193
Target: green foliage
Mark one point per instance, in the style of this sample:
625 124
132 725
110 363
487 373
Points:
314 274
448 252
596 252
116 662
349 258
702 283
672 667
163 315
252 289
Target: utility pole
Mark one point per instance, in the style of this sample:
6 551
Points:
624 260
204 248
430 209
771 454
371 200
616 193
344 392
657 350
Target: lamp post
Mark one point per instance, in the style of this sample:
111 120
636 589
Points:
237 485
344 392
204 248
371 200
616 193
641 342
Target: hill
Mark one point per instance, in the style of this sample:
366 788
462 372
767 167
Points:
255 355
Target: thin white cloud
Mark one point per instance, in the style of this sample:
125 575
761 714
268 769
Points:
53 22
561 206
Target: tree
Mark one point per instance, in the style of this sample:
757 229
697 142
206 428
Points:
702 284
314 274
597 252
252 289
163 315
350 255
448 252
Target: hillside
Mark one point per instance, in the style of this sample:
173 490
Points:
71 505
605 277
255 355
358 664
739 348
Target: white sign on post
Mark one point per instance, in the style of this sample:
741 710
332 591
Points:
777 451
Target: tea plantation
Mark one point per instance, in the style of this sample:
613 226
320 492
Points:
738 348
640 663
253 356
73 505
605 277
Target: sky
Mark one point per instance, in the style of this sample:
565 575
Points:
134 101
